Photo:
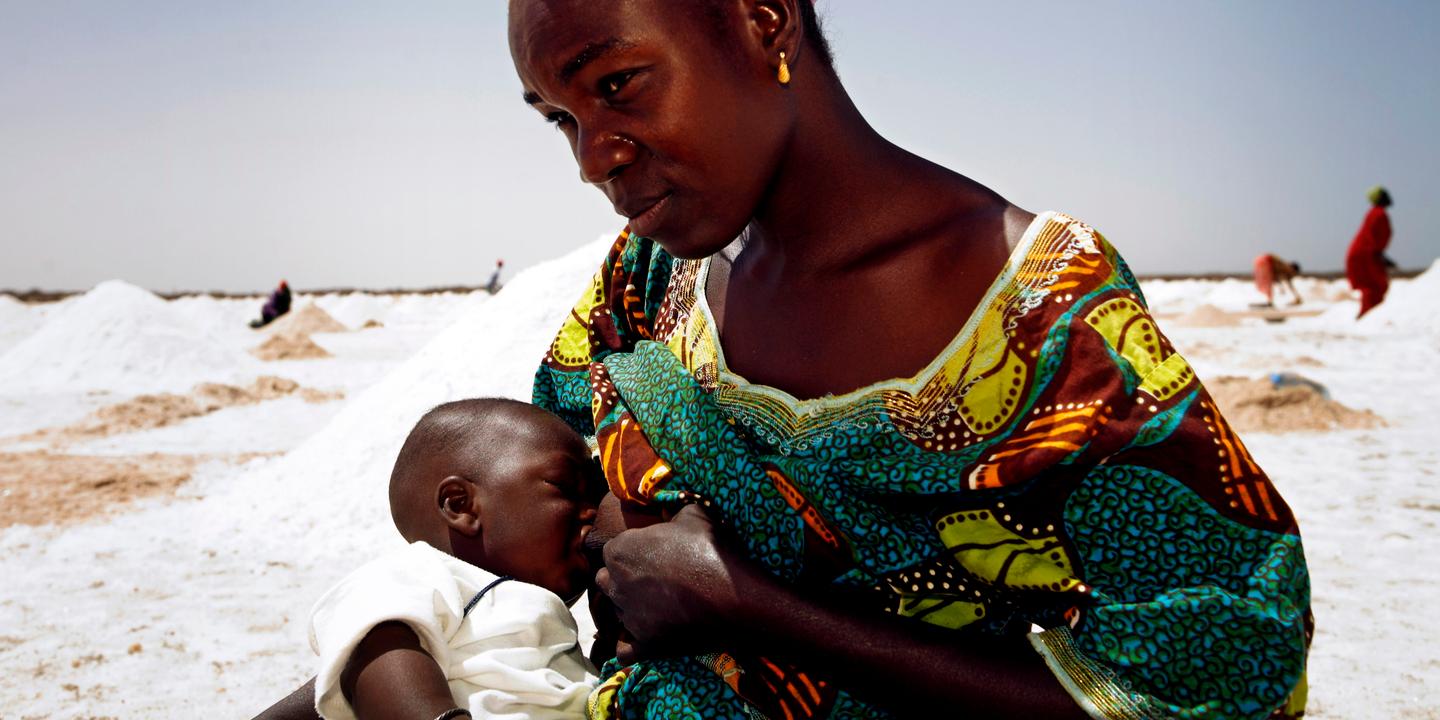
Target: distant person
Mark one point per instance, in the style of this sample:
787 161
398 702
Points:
1366 264
493 286
1271 270
277 305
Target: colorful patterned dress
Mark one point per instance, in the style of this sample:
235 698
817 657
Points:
1058 473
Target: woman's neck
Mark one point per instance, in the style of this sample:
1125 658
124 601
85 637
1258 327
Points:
840 191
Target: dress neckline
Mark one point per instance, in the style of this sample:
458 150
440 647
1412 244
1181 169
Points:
910 385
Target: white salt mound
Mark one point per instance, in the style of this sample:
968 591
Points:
116 337
332 489
1232 294
17 321
1207 315
1412 305
356 309
419 311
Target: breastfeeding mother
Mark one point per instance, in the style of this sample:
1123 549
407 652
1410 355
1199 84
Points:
921 451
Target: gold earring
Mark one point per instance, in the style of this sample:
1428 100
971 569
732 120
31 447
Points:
784 70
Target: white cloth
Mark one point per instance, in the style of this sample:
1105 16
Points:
515 656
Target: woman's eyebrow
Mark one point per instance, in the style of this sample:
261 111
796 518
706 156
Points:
590 53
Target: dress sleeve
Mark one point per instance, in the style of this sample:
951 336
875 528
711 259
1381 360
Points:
617 309
411 586
1198 595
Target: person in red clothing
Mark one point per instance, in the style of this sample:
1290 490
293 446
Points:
1272 270
1366 265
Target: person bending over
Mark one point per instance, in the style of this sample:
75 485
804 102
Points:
1272 270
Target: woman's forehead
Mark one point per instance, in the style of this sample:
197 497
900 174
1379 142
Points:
545 33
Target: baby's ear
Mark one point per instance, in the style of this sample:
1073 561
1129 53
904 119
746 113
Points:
459 505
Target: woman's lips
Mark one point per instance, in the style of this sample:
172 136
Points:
648 221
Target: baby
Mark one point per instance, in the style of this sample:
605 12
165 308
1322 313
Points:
495 498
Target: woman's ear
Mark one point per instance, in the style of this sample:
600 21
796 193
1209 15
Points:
460 505
778 26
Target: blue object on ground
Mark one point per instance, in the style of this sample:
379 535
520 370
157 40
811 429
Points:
1288 379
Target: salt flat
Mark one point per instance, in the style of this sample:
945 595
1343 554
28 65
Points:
195 600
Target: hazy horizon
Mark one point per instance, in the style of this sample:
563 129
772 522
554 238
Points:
210 146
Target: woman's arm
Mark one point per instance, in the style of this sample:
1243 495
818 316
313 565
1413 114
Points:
677 589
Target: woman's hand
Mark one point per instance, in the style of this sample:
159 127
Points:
679 590
674 586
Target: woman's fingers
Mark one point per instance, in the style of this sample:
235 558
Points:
692 515
606 585
625 650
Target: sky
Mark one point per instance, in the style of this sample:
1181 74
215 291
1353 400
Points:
206 145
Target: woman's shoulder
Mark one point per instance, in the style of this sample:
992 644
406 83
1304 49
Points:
1061 266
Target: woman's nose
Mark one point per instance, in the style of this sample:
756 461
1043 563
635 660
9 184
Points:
603 156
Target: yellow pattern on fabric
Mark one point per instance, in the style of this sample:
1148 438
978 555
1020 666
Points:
952 614
992 399
696 350
966 391
601 705
1001 556
1130 331
571 346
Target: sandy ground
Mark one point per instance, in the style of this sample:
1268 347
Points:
166 568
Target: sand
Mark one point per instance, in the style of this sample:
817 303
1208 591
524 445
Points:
289 337
42 488
148 412
207 583
1256 405
305 320
289 347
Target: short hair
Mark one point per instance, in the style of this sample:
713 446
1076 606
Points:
810 21
448 431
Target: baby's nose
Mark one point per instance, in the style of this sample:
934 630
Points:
588 513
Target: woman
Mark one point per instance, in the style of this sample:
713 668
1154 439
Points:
1271 270
1366 265
948 465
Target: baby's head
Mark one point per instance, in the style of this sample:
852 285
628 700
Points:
503 485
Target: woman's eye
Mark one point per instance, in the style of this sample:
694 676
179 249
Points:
611 85
558 119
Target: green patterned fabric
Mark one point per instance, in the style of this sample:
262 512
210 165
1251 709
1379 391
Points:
1058 473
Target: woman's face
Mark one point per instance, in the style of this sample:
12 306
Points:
680 123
